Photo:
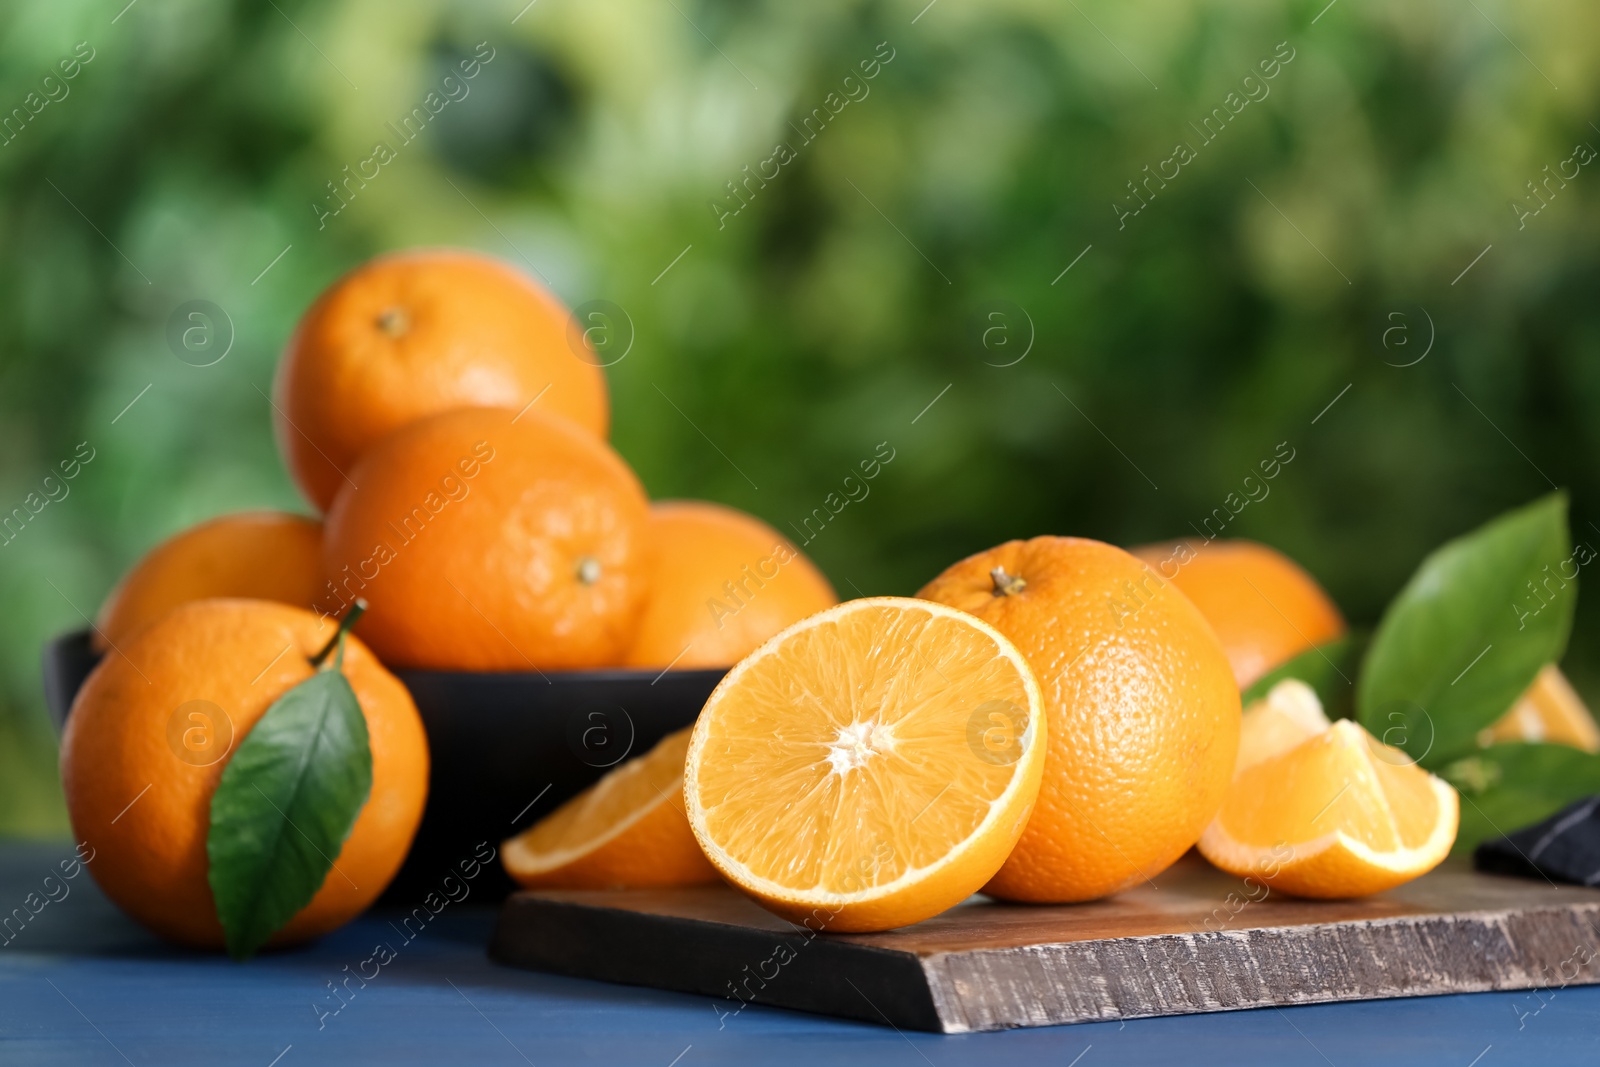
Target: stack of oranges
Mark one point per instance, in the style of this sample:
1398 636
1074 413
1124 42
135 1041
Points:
440 412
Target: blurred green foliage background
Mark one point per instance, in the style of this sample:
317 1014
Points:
910 254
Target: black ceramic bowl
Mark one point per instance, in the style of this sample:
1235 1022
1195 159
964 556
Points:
506 748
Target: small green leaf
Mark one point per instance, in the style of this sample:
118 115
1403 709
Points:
1506 787
1329 669
287 800
1467 634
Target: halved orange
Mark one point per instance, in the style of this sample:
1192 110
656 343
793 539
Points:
869 766
1338 815
627 831
1550 711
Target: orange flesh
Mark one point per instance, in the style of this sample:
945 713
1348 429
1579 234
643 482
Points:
1550 711
863 736
607 807
1339 780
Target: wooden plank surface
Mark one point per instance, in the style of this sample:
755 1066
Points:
1195 941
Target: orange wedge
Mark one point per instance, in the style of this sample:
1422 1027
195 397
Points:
1550 711
1338 815
869 766
627 831
1286 716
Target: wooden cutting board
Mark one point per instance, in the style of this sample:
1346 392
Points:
1195 942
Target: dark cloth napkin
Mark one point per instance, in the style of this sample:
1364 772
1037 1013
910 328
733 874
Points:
1563 848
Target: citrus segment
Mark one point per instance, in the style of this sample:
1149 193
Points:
627 831
869 766
1286 716
1550 711
1339 815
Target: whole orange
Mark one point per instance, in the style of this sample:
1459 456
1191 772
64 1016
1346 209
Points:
153 728
263 555
415 333
1264 607
1143 712
722 582
486 540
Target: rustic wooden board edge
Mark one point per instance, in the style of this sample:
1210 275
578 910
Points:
1056 983
1229 970
798 969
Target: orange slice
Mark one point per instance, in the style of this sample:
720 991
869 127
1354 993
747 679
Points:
627 831
1286 716
869 766
1550 711
1338 815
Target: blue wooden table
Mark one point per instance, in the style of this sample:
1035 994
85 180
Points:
80 984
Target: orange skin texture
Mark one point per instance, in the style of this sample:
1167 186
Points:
481 571
151 861
1143 713
464 330
690 619
259 555
1265 608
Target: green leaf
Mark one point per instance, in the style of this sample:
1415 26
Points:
1506 787
287 800
1467 634
1329 669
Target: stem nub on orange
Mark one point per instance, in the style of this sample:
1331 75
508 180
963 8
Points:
488 540
415 333
722 583
154 726
1144 713
1263 605
261 555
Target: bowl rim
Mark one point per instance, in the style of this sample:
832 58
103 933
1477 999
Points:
80 637
64 656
